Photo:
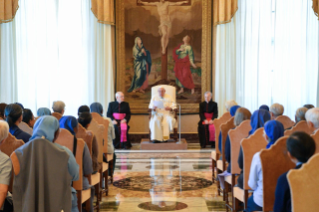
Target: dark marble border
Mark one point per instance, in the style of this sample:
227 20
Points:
190 138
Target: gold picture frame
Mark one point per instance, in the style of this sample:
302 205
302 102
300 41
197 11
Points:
139 106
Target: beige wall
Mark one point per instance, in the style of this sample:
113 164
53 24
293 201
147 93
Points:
139 124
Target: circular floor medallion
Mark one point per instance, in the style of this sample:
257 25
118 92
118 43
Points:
162 206
162 183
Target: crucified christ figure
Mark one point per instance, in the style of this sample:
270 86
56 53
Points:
165 21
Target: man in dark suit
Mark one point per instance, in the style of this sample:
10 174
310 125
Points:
301 147
208 111
120 114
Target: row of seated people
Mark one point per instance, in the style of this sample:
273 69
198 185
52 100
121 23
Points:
300 147
47 127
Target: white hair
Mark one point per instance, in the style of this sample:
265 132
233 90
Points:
118 93
312 115
58 106
229 104
4 130
276 109
301 113
208 92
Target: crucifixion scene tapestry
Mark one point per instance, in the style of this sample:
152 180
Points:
163 44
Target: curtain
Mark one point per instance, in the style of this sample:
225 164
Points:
8 9
104 11
276 59
316 7
58 58
8 63
296 55
224 10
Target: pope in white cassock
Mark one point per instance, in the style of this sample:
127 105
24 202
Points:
162 121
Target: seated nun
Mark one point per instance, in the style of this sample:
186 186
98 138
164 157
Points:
5 170
58 107
13 114
301 147
162 121
71 124
208 111
257 120
264 107
85 119
28 117
2 107
43 111
276 110
273 130
241 115
300 114
45 189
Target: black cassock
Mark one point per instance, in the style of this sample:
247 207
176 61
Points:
203 132
123 107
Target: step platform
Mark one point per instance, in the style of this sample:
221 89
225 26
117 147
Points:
170 145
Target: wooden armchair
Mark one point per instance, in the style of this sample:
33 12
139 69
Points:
94 179
170 90
216 153
303 183
301 126
8 146
286 121
275 161
58 116
25 128
235 136
221 164
66 139
316 138
105 166
98 130
250 146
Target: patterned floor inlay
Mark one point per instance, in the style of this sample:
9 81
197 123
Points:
215 205
162 183
162 167
109 206
162 206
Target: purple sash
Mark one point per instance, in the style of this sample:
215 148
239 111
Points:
123 126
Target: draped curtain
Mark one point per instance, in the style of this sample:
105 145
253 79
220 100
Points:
276 60
316 7
55 57
104 11
8 9
224 10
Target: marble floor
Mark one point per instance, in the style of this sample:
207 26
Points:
163 181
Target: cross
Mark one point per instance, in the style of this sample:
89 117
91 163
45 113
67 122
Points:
165 24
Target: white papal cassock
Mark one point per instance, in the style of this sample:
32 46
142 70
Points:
162 122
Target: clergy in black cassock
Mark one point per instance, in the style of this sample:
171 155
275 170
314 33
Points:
208 111
116 109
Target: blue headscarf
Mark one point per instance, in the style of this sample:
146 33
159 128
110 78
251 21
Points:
97 108
265 107
17 103
68 123
258 119
233 110
45 126
42 111
274 130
